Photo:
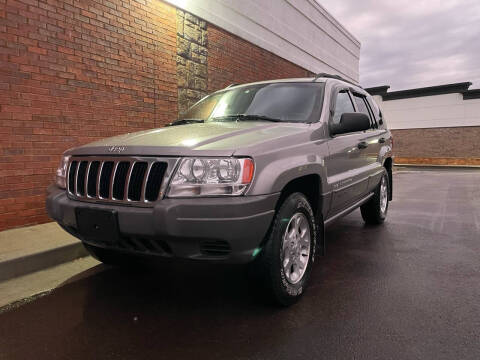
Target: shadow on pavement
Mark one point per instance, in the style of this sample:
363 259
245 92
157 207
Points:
407 289
181 310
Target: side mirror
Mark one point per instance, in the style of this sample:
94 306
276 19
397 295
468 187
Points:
351 122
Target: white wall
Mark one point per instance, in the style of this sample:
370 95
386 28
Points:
300 31
448 110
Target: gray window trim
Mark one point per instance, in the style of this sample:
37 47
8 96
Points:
333 103
373 120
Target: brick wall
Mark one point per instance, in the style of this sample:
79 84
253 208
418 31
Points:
438 146
234 60
72 72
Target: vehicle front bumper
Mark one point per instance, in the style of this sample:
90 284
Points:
184 228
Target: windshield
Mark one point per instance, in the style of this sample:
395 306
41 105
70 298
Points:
289 102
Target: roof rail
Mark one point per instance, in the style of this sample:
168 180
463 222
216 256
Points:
231 85
332 76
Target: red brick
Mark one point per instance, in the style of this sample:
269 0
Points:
65 50
74 74
37 50
234 60
436 143
43 116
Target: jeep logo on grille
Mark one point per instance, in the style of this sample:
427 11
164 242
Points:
117 149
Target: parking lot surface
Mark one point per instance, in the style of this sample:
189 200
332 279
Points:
409 289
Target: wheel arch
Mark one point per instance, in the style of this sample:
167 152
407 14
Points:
309 185
388 164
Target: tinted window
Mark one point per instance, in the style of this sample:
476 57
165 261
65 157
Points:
361 106
342 105
295 102
376 110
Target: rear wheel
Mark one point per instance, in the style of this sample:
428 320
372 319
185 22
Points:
375 210
285 262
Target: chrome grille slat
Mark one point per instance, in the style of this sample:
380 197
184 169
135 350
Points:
105 178
80 179
137 175
92 179
144 183
127 181
87 174
112 178
157 174
120 179
71 179
101 172
100 169
76 178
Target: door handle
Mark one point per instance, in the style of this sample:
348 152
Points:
362 145
381 140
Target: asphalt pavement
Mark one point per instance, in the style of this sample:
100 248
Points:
408 289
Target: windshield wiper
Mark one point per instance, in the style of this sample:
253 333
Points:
246 117
186 121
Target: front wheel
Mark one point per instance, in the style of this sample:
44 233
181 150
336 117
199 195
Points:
375 210
285 262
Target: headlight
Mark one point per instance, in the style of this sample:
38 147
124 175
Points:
211 177
61 178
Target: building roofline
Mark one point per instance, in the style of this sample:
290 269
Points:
334 21
471 94
378 90
453 88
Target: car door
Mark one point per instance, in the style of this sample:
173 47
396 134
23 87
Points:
346 160
373 141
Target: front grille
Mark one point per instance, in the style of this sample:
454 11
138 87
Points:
82 170
92 178
136 180
156 175
105 176
122 179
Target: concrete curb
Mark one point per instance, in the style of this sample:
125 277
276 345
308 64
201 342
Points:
41 260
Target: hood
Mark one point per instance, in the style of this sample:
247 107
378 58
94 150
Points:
212 138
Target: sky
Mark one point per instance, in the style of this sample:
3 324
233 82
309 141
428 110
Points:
413 43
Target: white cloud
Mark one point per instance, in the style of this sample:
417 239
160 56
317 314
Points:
412 44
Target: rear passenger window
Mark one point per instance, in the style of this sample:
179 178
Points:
376 111
362 107
343 105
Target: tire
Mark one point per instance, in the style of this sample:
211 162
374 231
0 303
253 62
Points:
374 212
108 257
284 274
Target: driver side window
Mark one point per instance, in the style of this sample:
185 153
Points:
342 105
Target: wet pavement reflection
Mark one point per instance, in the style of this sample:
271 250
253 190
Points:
407 289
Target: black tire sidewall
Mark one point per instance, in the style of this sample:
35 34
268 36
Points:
383 215
284 290
371 211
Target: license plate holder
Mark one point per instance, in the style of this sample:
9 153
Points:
98 224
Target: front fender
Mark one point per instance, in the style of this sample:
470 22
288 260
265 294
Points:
275 170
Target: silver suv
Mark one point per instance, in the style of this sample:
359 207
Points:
250 174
